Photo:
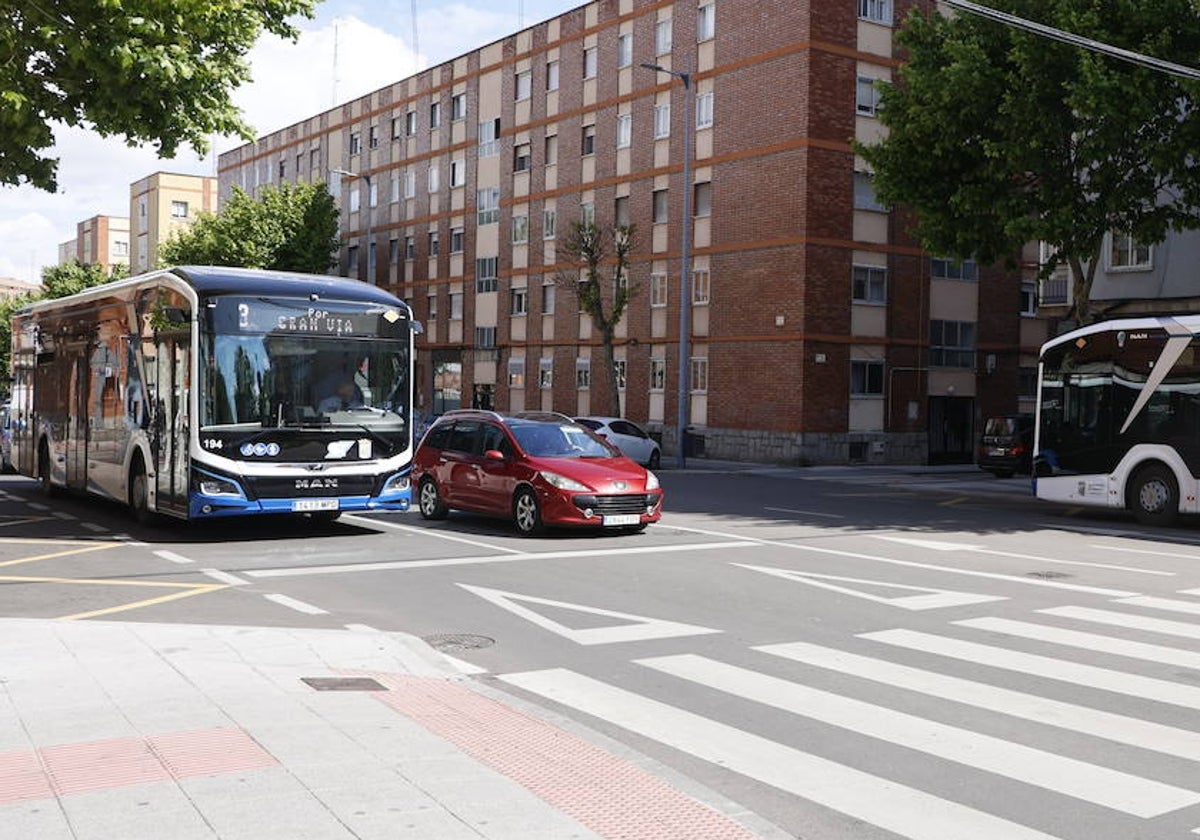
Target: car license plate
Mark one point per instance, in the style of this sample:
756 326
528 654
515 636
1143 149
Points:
624 519
306 505
997 451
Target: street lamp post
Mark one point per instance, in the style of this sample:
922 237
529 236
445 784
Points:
685 261
370 220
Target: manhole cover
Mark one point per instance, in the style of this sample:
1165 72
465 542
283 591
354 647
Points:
342 684
458 641
1047 575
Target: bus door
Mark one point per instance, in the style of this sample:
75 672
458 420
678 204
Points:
170 387
77 420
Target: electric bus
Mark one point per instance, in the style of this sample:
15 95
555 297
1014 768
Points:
199 393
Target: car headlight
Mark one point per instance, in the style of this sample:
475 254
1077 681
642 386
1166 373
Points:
562 482
651 481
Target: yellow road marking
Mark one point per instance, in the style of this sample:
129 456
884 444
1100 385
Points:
85 550
43 541
24 520
104 582
197 589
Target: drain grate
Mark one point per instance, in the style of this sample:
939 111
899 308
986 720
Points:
446 642
342 684
1047 575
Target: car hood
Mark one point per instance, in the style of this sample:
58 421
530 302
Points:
601 474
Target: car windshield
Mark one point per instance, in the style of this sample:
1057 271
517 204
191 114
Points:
550 440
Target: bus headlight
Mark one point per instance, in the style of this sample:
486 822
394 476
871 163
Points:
397 484
211 485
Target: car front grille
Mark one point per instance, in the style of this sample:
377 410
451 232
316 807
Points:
616 505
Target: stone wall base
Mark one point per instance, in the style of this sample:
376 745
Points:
800 448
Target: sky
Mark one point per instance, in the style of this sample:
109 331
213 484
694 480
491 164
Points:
375 48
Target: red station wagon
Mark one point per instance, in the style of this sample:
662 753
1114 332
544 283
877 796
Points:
539 469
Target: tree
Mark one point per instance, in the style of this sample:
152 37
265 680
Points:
999 137
600 285
290 228
150 71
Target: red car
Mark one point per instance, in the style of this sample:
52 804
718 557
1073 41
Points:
538 469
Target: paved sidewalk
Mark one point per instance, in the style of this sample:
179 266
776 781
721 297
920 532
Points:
112 731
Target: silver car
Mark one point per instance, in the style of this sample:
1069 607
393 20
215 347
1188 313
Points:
627 436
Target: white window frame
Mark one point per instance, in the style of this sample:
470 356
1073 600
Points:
658 289
549 223
583 373
456 306
663 37
431 306
458 107
591 62
624 131
520 230
1028 299
410 183
948 268
355 199
587 213
458 239
458 173
625 49
704 110
516 372
701 286
548 296
489 138
864 193
518 301
621 369
866 96
179 209
870 277
698 379
866 366
523 85
545 373
706 22
662 121
658 375
552 74
487 274
876 11
434 178
487 206
1128 244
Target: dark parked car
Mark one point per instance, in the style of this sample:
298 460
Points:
537 470
1007 445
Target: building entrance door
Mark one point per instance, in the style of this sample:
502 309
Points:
951 430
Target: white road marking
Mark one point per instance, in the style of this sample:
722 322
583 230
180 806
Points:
224 577
63 515
1039 559
888 805
1127 620
464 667
1087 641
430 532
38 506
1145 551
633 628
507 558
94 527
805 512
298 606
1049 584
1099 724
1087 782
1168 604
128 540
932 545
361 628
930 599
1046 667
173 557
1189 591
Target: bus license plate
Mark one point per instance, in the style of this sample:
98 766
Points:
625 519
307 505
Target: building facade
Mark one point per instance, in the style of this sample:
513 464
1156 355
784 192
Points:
821 332
159 205
100 240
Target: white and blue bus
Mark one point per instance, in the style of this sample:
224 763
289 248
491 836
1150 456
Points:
208 392
1118 421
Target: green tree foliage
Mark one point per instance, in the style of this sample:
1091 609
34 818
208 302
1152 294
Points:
601 285
151 71
999 137
290 228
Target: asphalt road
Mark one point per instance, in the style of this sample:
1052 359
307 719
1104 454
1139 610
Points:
847 655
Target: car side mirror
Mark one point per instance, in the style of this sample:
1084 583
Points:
494 455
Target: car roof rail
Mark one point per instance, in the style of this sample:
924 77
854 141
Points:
546 416
473 412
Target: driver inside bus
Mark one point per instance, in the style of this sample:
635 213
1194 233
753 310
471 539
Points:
346 397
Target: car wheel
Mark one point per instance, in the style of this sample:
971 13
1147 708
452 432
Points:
655 460
1154 496
430 501
527 514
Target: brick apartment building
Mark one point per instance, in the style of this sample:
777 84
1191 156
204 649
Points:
161 204
821 331
100 240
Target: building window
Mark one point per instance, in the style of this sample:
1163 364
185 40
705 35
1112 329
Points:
864 193
395 189
1027 382
545 373
355 143
393 251
702 205
434 243
621 369
866 378
624 131
522 157
944 268
658 374
548 298
704 110
516 373
624 50
352 258
662 121
179 209
283 169
456 306
396 133
551 75
519 301
587 144
488 206
485 338
706 22
456 240
458 173
1127 252
431 306
410 248
587 214
458 107
489 138
866 96
658 290
434 179
435 115
410 183
355 200
662 37
120 249
373 194
549 223
952 344
524 85
486 271
590 65
869 284
410 123
701 286
520 230
314 159
876 11
1028 300
583 374
621 212
372 139
551 150
659 206
699 375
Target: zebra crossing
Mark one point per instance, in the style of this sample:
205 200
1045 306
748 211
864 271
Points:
1111 760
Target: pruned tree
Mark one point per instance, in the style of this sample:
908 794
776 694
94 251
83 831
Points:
600 283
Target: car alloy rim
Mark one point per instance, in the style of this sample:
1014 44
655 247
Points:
525 512
428 497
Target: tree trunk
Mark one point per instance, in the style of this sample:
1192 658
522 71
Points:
1081 287
614 393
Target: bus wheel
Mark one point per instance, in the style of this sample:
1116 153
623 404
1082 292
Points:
139 494
1154 496
430 503
47 485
